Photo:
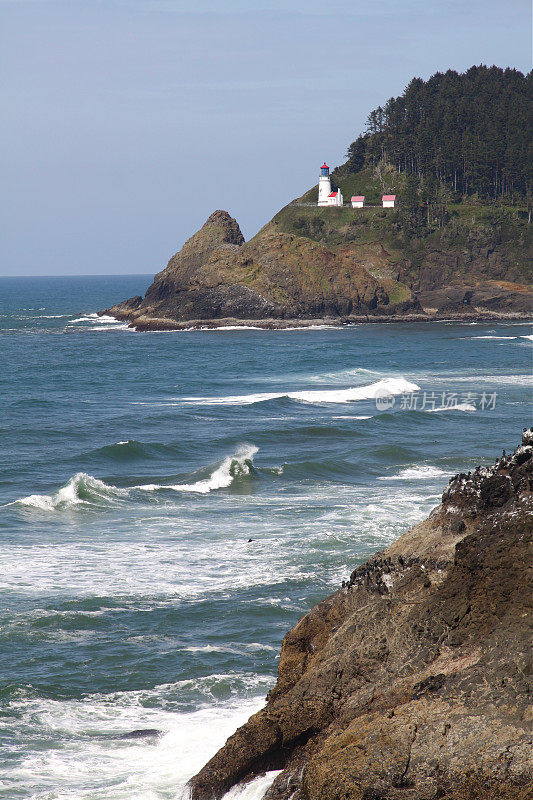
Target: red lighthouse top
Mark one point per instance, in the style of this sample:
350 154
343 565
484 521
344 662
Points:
324 166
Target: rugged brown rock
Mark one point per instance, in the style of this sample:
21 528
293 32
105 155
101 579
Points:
411 681
281 278
276 276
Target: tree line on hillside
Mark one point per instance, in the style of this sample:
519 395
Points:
469 132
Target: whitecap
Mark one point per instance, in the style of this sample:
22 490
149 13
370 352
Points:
458 407
81 489
386 386
527 336
86 318
84 489
234 466
418 472
104 319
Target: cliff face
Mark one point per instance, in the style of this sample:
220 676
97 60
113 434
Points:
410 681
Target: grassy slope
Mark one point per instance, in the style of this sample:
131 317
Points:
504 227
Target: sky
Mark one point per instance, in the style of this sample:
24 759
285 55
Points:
127 122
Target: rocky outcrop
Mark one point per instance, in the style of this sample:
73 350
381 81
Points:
411 681
286 274
277 276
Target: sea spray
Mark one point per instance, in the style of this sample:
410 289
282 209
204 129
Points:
253 790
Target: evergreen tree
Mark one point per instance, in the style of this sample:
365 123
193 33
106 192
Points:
470 132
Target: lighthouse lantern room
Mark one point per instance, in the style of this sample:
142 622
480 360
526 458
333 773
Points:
325 196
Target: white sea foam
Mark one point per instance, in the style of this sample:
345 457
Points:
527 336
524 379
120 326
103 322
418 472
89 760
234 466
80 489
169 557
88 318
232 647
229 328
392 386
254 790
493 337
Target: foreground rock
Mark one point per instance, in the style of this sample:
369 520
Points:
411 680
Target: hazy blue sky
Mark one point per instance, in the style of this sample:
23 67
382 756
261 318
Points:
127 122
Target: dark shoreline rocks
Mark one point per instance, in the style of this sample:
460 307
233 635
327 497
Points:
145 323
411 681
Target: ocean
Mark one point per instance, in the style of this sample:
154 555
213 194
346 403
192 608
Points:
172 503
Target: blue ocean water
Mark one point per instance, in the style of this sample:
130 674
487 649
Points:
171 504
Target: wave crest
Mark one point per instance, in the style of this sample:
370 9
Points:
233 467
367 392
81 489
85 490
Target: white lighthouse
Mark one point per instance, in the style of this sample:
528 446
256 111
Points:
325 196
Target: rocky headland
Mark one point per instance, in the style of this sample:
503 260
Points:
410 682
296 272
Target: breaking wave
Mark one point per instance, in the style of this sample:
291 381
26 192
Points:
458 407
231 468
391 386
84 489
420 472
80 489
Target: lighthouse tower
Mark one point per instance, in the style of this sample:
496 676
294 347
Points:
325 196
324 185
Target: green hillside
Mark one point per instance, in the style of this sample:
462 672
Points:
456 151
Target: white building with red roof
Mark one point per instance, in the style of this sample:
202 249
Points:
388 200
325 196
358 201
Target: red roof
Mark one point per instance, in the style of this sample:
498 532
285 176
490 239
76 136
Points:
324 166
358 197
333 194
389 197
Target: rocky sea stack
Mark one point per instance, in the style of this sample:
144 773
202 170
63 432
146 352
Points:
411 681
